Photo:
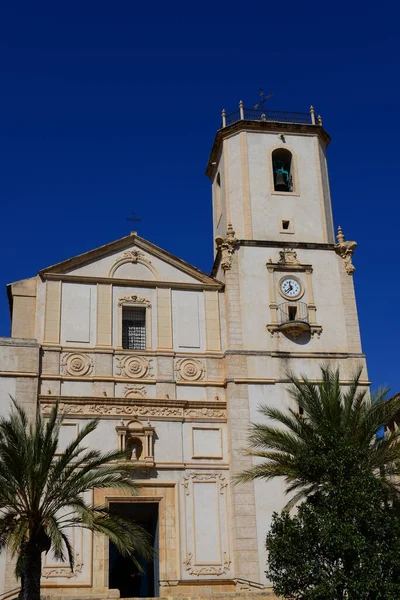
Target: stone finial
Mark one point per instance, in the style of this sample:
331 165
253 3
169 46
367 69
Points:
319 119
340 235
223 117
345 250
312 113
241 110
230 232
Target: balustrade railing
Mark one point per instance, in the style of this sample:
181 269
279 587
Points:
271 116
292 311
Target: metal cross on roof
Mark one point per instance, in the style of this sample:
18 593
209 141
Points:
133 219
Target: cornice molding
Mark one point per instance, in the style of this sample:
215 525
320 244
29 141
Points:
176 285
261 127
126 243
272 244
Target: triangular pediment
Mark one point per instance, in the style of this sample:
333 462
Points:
131 258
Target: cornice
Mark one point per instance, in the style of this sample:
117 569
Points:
176 285
272 244
261 127
121 244
139 401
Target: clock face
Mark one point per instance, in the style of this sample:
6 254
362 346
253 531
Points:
290 288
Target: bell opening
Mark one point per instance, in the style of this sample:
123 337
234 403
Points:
282 168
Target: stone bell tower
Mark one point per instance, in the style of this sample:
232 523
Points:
289 302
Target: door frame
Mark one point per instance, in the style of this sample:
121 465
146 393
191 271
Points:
165 493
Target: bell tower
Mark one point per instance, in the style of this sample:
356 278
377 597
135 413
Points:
288 301
269 176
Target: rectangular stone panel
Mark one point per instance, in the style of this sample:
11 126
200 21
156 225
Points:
186 319
75 311
206 523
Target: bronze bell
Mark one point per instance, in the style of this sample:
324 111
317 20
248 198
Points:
280 182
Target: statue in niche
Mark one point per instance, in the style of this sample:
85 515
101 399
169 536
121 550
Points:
135 446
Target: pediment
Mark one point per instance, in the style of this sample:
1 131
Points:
131 258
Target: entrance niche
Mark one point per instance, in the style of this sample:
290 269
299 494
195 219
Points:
123 574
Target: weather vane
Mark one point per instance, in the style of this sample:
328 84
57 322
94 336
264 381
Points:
263 98
133 218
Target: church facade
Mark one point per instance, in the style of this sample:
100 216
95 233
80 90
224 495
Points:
176 362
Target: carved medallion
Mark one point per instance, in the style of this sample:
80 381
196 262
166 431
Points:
136 367
189 369
76 365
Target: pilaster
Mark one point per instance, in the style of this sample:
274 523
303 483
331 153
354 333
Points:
52 312
164 318
104 315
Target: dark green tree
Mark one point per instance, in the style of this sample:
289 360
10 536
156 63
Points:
344 544
43 494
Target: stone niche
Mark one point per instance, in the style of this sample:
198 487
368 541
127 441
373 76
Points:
138 438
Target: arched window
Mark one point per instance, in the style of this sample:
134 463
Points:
282 166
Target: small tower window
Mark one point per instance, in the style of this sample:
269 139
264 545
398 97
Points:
282 163
134 328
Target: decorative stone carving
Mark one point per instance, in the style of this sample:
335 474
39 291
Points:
64 407
227 247
207 569
136 367
189 369
135 391
134 299
345 250
198 477
141 408
288 257
75 364
274 330
212 413
133 256
64 571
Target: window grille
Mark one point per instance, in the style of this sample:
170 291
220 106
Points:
134 328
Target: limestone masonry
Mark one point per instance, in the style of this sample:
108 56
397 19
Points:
176 362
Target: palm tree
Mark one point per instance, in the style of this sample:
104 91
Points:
331 437
42 494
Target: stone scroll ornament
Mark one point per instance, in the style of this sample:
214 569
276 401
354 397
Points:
345 250
189 369
75 364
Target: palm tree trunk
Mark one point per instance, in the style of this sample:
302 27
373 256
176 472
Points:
32 568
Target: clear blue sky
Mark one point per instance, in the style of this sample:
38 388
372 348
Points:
109 107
